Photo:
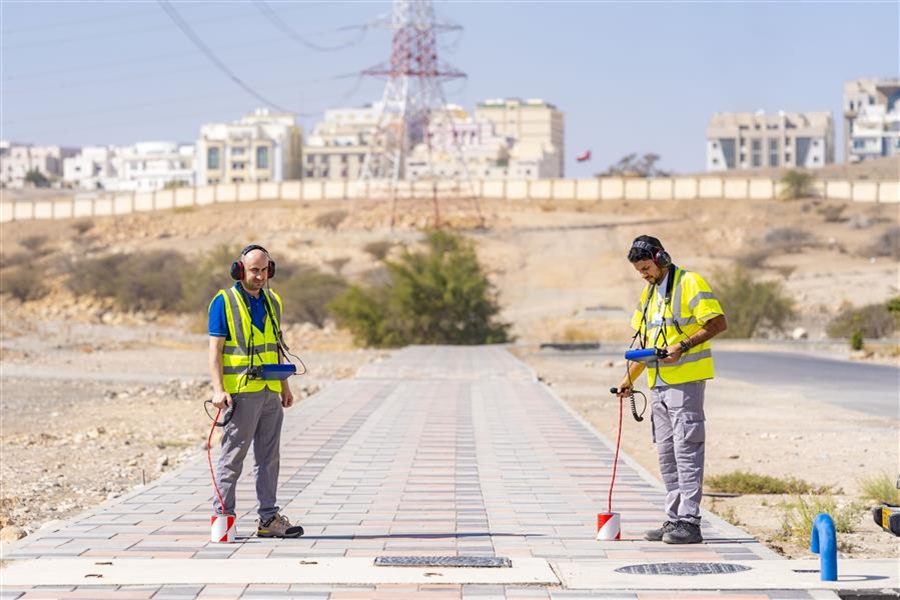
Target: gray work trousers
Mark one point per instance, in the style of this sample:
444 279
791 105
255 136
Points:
257 418
679 431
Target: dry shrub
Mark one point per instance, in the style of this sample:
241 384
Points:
378 249
789 239
887 244
331 219
871 321
20 283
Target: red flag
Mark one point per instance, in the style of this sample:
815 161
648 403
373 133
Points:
586 155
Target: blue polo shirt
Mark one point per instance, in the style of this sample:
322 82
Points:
218 322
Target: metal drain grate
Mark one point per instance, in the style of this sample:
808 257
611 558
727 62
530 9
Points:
442 561
680 568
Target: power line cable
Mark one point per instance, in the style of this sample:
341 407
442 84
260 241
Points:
278 22
155 102
182 24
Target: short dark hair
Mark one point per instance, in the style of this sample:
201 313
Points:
639 252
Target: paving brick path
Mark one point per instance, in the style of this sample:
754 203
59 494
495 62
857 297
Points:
436 451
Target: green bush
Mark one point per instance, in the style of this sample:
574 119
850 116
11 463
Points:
437 296
871 321
750 305
141 281
798 517
797 184
857 341
743 482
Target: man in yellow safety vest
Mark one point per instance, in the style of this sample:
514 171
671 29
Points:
678 314
245 333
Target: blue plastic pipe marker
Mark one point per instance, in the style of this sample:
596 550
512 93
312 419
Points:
823 542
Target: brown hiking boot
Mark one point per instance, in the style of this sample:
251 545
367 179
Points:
278 527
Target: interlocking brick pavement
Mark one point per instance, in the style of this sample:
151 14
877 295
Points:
435 451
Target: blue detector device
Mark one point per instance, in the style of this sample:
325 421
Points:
646 354
275 371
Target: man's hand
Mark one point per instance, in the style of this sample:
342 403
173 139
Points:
673 353
624 390
287 397
221 399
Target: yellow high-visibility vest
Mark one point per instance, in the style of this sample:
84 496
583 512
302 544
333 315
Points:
663 324
242 332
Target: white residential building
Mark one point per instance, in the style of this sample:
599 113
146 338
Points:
756 140
18 159
871 119
92 168
262 146
151 166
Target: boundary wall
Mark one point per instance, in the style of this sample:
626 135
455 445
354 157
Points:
605 188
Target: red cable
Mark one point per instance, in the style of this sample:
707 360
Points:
209 457
616 459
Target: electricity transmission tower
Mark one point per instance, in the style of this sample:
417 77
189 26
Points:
413 99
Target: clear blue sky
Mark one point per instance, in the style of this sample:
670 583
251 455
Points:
630 77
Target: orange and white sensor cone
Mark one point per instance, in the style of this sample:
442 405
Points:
222 528
609 526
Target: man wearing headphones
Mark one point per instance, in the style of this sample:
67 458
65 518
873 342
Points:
245 333
678 314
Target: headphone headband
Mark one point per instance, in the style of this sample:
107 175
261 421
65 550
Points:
237 267
658 254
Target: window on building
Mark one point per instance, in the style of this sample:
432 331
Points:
310 159
238 150
212 158
773 152
787 158
715 161
756 153
238 166
262 157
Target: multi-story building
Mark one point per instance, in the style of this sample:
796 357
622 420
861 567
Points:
151 166
262 146
871 119
756 140
18 159
537 127
91 169
337 146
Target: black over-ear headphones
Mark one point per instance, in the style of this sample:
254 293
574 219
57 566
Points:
659 255
237 267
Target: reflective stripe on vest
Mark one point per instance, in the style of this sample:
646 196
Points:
670 324
236 355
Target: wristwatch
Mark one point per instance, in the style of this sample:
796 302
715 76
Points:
684 346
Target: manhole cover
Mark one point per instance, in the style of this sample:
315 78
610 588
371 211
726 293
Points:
682 569
442 561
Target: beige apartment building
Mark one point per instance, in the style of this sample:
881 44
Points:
262 146
871 119
537 127
338 144
756 140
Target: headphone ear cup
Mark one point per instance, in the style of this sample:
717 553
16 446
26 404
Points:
662 259
237 270
271 268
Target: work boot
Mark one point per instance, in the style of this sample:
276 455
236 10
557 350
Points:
656 535
684 533
278 526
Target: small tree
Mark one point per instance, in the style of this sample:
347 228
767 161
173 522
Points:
750 305
37 179
796 184
632 165
438 296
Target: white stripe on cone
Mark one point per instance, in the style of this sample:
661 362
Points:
222 528
609 526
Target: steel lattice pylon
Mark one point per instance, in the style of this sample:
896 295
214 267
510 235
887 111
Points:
413 97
